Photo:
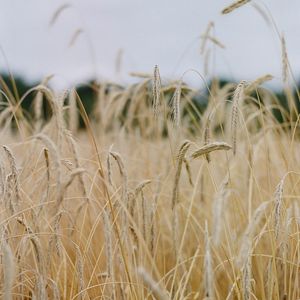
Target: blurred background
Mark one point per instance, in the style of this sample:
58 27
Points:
83 40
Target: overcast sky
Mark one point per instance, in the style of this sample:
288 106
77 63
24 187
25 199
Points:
162 32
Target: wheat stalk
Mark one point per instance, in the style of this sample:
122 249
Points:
56 157
124 196
181 155
108 242
188 171
152 217
55 290
54 239
108 235
263 13
207 136
36 245
73 147
206 62
8 261
108 163
180 158
205 35
5 114
214 40
67 183
145 210
270 280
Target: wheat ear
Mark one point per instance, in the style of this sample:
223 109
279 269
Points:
154 287
284 58
215 146
156 89
176 105
278 203
257 82
58 12
247 278
234 6
238 96
12 180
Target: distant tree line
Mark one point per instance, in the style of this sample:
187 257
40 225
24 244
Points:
17 86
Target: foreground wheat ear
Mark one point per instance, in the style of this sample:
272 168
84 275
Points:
215 146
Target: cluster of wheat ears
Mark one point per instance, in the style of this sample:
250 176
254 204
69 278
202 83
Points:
152 200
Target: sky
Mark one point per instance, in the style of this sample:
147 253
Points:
108 39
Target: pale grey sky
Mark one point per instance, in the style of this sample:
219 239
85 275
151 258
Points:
162 32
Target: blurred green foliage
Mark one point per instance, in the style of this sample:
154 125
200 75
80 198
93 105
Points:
15 87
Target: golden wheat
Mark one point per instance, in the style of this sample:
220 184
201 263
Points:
234 6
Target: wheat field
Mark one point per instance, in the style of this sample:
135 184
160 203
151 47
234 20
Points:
155 196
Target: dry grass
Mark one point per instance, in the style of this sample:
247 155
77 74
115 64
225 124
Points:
145 227
140 225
